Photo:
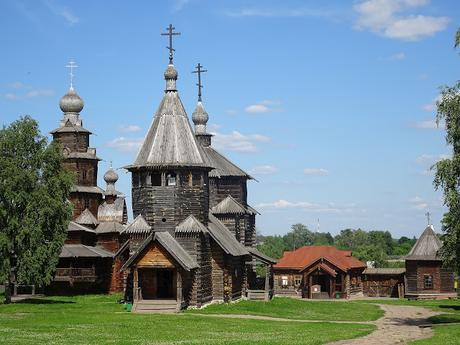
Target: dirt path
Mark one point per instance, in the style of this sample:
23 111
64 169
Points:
399 325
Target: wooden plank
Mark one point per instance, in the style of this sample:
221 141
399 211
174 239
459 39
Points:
155 257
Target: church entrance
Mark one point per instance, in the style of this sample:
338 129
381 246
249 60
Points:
324 281
157 283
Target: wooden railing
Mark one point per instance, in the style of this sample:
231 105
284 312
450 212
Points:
75 274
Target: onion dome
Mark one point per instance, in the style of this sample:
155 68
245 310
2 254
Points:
110 176
171 77
71 102
200 118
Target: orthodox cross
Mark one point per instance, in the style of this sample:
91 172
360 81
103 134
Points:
199 70
428 217
170 33
71 66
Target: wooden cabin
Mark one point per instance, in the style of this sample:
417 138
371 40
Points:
318 272
426 277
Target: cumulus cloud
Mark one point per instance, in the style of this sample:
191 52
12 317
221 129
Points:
129 128
263 170
315 171
126 144
39 93
236 141
426 159
390 18
266 106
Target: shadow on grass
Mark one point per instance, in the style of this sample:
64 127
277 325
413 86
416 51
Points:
445 318
42 301
453 307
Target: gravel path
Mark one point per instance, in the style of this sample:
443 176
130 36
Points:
399 325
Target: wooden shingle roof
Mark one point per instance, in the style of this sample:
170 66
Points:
222 166
86 218
231 206
138 226
170 140
82 251
78 227
426 247
224 238
191 225
170 245
109 227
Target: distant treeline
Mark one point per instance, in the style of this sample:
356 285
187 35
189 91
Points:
375 245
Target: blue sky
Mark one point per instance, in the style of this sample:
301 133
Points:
330 105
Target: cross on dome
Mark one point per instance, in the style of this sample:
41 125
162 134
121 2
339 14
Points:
199 70
71 65
170 33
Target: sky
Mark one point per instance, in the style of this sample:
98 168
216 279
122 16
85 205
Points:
329 105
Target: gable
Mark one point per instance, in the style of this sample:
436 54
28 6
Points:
154 256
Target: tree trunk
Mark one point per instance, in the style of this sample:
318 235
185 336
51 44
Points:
8 290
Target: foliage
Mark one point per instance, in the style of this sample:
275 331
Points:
447 175
34 212
100 320
376 246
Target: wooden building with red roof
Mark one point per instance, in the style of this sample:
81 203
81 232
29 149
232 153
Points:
318 272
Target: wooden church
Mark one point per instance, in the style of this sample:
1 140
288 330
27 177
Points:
192 240
426 277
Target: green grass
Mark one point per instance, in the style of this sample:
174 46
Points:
100 320
299 309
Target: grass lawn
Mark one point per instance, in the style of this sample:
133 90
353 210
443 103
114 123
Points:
290 308
447 328
100 320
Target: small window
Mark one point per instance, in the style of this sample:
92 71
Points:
196 180
84 173
156 179
135 180
86 203
427 281
284 281
171 179
297 281
143 179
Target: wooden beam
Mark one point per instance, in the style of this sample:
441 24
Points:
267 283
135 286
179 289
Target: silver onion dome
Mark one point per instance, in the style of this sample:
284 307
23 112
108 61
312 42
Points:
171 72
71 102
200 118
110 176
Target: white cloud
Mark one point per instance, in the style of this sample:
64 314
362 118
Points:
266 106
418 203
263 170
63 12
427 159
315 171
39 93
415 199
231 112
180 4
16 85
428 124
129 128
398 56
235 141
389 18
11 96
308 206
281 12
126 144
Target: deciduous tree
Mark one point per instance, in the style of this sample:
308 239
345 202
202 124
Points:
34 211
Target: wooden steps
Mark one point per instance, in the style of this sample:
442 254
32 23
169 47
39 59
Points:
155 306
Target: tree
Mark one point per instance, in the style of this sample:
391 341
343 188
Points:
34 211
447 176
299 236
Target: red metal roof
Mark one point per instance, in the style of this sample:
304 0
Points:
305 256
